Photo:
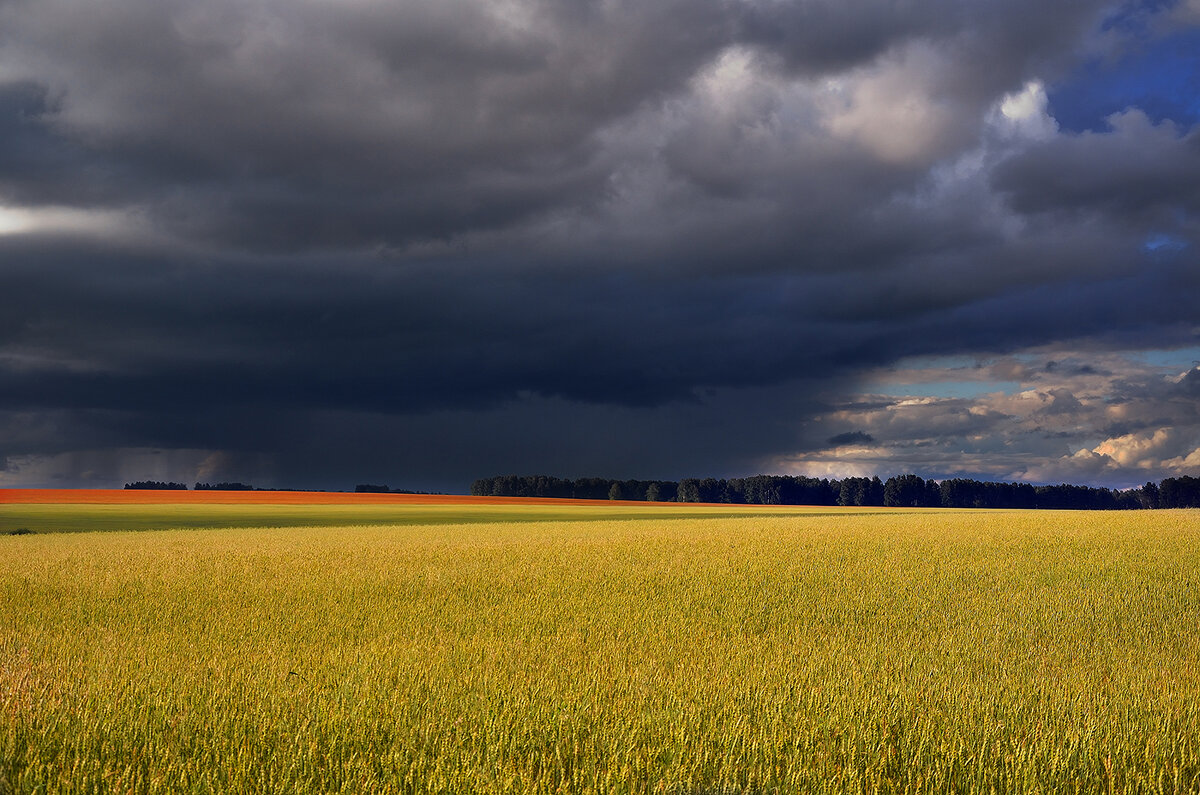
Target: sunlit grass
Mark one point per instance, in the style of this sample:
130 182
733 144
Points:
821 652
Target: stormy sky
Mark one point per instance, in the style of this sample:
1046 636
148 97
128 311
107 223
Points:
306 243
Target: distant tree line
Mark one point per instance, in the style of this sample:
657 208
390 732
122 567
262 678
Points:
898 491
362 488
371 488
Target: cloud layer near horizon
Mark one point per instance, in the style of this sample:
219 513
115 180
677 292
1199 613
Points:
309 243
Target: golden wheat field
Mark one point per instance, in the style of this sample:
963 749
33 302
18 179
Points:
800 650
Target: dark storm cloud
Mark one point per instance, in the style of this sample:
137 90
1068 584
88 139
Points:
1135 169
253 230
348 125
353 124
850 437
28 156
1005 39
371 336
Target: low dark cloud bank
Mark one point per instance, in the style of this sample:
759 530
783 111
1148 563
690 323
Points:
314 244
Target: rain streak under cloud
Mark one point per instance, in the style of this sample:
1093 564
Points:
313 244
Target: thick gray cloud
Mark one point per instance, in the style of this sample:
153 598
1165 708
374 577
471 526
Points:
287 125
1136 170
657 238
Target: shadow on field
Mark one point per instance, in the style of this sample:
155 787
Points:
25 519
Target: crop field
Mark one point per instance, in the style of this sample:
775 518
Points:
596 649
19 519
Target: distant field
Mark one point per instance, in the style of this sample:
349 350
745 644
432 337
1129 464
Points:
44 511
208 497
703 650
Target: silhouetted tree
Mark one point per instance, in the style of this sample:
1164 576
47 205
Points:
907 491
689 490
1065 496
1148 495
1179 492
852 491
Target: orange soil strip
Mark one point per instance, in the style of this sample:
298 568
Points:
168 497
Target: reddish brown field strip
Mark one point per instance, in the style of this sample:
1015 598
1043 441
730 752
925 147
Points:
155 497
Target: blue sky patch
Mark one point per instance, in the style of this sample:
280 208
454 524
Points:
1162 78
946 389
1164 244
1179 359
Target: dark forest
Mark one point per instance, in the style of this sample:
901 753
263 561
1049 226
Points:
907 490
